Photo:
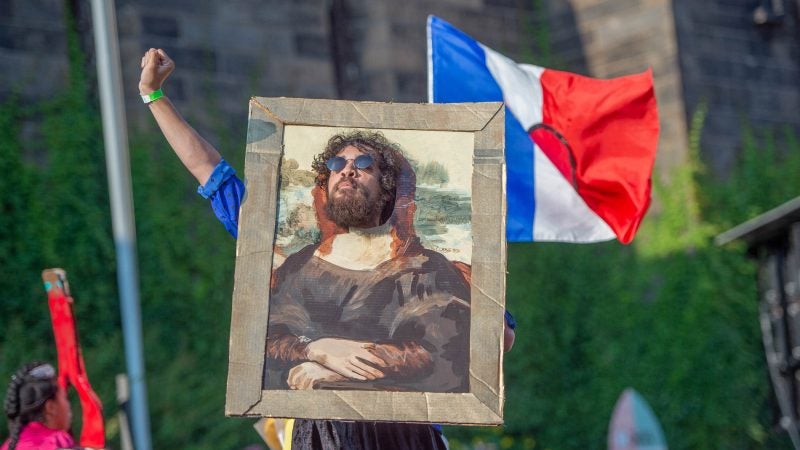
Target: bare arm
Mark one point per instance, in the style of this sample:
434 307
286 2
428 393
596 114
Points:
195 153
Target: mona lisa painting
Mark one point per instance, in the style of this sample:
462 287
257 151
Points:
383 229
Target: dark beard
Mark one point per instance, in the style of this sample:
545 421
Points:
354 209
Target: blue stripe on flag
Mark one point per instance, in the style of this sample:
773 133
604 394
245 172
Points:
519 182
459 74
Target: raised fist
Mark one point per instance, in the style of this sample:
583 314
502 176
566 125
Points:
156 67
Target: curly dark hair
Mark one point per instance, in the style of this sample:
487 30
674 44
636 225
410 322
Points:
388 155
25 399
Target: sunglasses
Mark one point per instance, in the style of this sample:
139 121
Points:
338 163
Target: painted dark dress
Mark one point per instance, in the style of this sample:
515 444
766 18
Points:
418 306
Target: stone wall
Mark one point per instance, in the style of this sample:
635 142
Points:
629 36
746 73
389 62
33 61
226 52
375 50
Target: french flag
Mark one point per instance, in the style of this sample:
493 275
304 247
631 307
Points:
579 151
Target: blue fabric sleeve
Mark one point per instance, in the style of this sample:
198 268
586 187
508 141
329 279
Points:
226 191
510 321
222 172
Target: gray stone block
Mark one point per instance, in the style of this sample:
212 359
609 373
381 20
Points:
313 19
33 40
512 4
244 66
201 59
178 5
590 11
9 40
6 10
411 87
314 46
37 11
160 26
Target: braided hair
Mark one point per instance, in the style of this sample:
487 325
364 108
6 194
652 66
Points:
30 388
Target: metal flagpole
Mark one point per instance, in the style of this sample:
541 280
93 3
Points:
112 104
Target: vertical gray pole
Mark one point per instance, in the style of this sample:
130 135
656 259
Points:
112 104
123 400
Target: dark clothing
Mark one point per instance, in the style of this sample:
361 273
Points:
418 305
330 435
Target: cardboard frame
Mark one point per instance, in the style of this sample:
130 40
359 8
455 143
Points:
483 404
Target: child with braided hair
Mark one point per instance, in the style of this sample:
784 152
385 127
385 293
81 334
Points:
38 411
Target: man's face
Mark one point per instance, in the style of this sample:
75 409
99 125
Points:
355 196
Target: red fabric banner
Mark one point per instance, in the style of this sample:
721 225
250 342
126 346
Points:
71 369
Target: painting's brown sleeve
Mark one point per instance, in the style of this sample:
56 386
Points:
404 358
287 348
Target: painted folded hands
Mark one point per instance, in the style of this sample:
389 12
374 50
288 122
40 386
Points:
330 360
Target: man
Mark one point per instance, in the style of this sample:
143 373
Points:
355 196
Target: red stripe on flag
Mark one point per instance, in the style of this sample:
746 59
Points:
611 128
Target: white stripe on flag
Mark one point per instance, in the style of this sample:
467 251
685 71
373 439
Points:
526 101
429 36
561 214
